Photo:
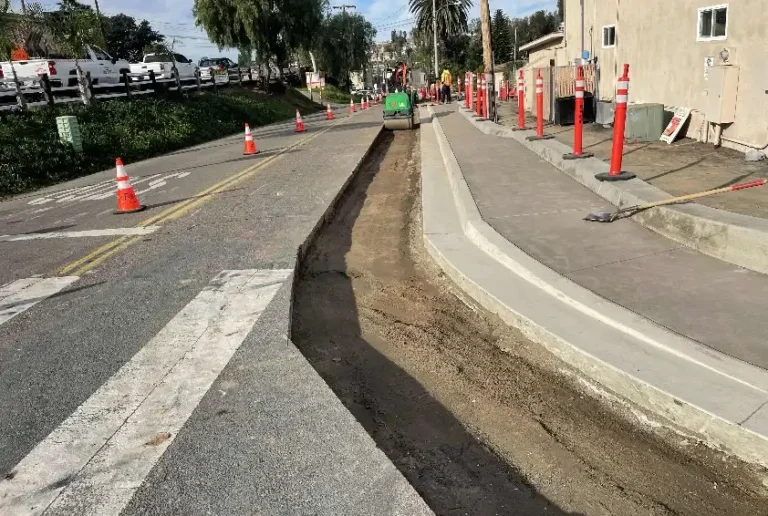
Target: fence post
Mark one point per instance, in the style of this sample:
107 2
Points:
153 79
250 74
197 79
45 82
20 100
89 85
239 76
126 84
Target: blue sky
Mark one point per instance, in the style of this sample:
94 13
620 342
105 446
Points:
174 18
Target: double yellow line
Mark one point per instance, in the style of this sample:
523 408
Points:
99 255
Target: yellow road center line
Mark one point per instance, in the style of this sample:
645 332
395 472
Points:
99 255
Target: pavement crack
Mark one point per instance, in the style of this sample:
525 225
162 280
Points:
655 253
763 404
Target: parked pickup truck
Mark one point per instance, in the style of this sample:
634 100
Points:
62 72
162 65
216 69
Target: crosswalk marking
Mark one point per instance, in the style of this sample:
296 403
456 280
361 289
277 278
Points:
20 295
144 230
105 189
95 460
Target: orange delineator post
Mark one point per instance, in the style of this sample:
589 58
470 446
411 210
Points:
472 100
477 94
619 123
520 103
540 110
578 119
479 104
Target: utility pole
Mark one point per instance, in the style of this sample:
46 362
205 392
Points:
344 7
101 24
514 49
434 37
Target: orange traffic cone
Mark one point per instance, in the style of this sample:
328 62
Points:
299 122
250 144
328 112
127 202
352 105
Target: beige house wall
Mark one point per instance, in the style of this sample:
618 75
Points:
658 39
539 59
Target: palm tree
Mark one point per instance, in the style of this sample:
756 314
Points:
452 16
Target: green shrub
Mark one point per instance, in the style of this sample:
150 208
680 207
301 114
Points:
31 155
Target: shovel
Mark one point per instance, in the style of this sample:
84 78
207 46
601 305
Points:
607 216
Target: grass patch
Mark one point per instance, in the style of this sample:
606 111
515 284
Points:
335 95
31 155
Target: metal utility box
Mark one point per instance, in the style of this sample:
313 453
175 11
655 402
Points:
722 87
604 112
645 122
69 132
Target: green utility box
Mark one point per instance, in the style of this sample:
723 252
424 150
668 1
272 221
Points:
69 132
645 122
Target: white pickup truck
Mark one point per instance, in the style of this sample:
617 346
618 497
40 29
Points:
162 65
62 71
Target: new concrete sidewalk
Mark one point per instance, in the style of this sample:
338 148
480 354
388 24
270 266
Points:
684 167
734 237
650 320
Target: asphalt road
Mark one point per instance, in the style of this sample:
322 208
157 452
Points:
152 373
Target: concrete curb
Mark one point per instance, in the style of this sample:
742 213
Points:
674 378
731 237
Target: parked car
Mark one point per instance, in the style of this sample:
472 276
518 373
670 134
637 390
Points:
216 69
62 72
162 65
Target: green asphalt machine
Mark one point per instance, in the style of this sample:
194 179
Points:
400 105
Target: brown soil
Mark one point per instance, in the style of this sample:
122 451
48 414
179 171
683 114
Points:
479 419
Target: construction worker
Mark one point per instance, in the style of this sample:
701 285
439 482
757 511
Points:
445 78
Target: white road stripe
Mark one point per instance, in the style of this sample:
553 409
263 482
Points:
95 460
20 295
144 230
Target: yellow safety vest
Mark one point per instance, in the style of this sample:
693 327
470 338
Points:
446 78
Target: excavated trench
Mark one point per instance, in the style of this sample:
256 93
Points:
479 419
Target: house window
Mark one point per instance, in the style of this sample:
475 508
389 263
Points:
609 36
713 23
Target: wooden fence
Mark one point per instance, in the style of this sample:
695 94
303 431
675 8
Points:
39 92
565 80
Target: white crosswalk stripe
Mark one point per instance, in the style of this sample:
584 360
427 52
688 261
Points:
141 230
20 295
96 459
105 189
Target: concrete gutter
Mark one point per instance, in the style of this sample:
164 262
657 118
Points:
731 237
688 387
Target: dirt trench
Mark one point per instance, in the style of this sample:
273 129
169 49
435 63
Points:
480 420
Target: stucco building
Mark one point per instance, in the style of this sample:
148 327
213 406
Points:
712 58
